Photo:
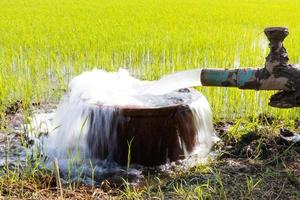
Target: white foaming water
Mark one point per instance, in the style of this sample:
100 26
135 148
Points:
72 120
168 83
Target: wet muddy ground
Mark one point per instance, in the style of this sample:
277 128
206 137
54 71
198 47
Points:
258 160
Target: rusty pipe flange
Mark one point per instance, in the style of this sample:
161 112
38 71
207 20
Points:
276 34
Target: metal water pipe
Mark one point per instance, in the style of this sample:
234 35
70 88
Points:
277 74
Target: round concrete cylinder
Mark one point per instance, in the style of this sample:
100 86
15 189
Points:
157 134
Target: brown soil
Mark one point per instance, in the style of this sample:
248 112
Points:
268 160
257 165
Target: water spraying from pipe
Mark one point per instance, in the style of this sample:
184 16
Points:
103 111
112 90
175 81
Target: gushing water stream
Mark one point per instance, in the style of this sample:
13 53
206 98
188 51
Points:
175 81
68 129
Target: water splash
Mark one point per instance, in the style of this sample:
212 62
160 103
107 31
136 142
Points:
175 81
71 131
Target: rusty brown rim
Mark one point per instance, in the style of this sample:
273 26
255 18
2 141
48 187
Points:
132 110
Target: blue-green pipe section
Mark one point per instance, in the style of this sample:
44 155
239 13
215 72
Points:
241 78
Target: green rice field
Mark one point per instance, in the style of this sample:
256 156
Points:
44 43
